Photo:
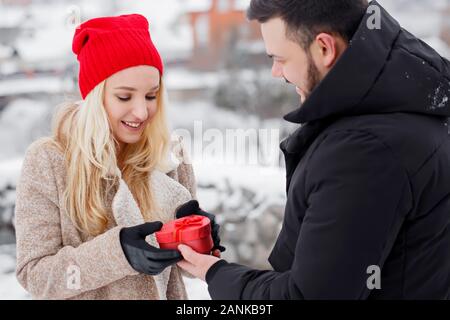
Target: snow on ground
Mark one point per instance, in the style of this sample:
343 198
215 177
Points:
196 289
10 289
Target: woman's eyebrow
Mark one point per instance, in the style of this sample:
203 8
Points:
134 89
126 88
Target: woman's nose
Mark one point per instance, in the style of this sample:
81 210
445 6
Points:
140 110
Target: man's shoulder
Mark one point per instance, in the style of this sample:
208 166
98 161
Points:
412 138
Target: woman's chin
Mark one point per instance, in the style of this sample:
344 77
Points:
130 140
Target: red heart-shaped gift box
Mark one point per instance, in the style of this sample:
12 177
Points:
193 231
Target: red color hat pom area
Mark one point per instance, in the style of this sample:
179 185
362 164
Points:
108 45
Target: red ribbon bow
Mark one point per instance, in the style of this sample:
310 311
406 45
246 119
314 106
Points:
184 223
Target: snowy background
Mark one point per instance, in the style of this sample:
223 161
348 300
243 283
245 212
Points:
38 71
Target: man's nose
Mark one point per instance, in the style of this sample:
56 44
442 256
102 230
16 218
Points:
277 71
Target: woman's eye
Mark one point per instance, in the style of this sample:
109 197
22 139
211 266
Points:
150 98
123 98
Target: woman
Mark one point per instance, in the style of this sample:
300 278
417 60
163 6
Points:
91 194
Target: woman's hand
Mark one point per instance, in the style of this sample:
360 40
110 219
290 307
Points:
192 207
143 257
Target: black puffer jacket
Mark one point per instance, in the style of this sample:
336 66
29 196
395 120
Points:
368 181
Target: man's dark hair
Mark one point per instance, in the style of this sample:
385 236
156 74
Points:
305 19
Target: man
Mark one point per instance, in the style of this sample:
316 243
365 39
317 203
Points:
368 173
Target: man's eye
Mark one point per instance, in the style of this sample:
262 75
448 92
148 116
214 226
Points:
123 98
150 98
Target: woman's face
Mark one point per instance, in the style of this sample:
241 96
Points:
131 102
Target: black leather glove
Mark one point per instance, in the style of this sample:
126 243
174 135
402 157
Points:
192 207
143 257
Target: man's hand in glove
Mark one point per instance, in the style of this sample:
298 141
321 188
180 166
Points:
143 257
192 207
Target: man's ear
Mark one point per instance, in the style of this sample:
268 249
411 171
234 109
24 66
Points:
327 49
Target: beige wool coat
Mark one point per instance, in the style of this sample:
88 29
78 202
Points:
56 261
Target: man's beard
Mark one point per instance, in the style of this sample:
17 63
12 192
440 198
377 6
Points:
313 78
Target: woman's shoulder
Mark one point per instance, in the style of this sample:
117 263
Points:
45 147
42 170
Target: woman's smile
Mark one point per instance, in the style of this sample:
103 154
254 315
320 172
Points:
133 126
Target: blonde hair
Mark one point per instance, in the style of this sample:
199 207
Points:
83 133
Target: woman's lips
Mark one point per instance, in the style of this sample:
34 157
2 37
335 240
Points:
133 129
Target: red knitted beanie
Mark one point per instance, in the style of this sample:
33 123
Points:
107 45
